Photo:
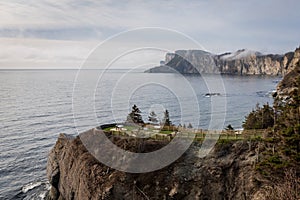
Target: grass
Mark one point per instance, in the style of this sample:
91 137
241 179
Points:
130 128
107 129
166 132
223 138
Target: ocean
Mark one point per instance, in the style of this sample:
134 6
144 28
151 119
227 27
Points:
37 105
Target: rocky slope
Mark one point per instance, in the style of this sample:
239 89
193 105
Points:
289 83
242 62
226 173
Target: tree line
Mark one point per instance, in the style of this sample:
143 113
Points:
135 117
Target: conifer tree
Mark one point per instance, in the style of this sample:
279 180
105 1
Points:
166 120
135 116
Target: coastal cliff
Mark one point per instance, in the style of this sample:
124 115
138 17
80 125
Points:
241 62
244 169
225 173
287 89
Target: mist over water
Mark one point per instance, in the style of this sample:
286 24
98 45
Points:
36 105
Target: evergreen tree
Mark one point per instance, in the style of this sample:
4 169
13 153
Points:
229 128
288 116
286 128
152 117
135 116
166 120
190 125
261 118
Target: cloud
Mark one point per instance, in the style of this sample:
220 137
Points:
270 26
31 53
108 16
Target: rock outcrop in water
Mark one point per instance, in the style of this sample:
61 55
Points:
242 62
226 173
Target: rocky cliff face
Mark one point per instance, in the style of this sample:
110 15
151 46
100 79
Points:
226 173
242 62
288 87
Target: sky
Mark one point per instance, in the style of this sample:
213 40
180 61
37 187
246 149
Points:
63 34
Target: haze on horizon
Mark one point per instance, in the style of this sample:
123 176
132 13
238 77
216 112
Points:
48 34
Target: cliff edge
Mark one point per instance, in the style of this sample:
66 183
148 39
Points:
226 173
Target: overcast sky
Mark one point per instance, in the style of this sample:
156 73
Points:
61 34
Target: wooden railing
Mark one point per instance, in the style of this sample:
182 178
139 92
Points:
198 134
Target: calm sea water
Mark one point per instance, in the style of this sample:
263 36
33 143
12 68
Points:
37 105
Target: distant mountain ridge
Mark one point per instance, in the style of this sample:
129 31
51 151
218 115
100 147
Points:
241 62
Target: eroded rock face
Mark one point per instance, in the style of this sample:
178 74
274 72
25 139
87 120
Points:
226 173
295 59
242 62
288 87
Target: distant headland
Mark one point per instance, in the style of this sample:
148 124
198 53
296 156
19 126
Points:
241 62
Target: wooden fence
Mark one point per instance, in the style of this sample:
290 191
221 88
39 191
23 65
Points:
198 134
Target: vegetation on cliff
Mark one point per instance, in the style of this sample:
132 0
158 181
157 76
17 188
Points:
260 118
280 153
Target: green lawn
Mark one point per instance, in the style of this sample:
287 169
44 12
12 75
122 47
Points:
199 136
166 132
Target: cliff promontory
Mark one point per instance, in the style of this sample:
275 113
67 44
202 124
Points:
241 62
226 173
